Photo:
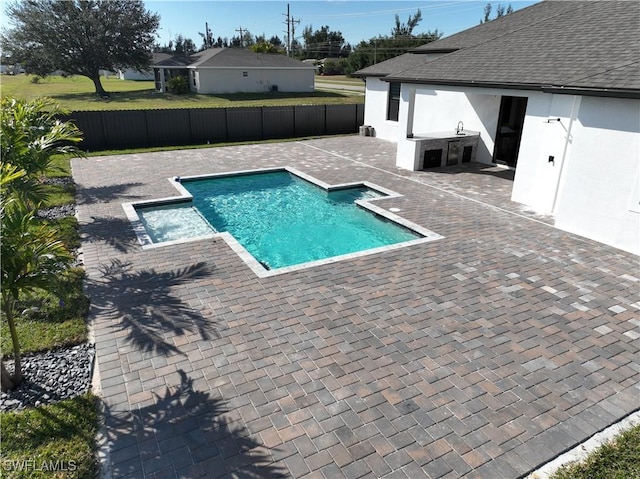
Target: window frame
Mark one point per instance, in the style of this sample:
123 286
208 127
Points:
393 101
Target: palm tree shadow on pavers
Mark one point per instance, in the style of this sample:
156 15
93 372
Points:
143 304
184 432
106 194
115 232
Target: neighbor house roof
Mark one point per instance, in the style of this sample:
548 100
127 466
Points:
174 61
232 58
159 57
587 46
393 65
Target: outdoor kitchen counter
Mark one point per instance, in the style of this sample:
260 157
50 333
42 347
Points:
441 135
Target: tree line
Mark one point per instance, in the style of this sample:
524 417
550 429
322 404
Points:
83 37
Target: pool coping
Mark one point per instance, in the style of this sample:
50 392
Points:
184 197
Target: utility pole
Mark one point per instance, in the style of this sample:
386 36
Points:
206 36
293 32
288 22
208 40
241 37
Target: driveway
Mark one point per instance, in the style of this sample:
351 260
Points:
481 355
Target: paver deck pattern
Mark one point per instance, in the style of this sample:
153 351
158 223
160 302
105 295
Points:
481 355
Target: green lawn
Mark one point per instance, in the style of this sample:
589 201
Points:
77 94
619 459
58 437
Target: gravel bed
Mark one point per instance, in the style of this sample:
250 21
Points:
50 377
58 180
57 212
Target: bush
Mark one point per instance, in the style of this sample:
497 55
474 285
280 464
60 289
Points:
333 67
178 85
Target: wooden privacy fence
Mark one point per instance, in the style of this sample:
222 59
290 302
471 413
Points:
143 128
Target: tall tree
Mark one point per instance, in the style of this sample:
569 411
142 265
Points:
406 30
263 47
276 42
80 37
184 46
501 11
323 43
244 41
382 48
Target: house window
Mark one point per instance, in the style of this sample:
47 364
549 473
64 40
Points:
194 79
245 74
393 103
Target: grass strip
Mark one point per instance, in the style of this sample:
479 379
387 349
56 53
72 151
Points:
51 441
46 321
618 459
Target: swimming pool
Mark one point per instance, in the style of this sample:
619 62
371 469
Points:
281 217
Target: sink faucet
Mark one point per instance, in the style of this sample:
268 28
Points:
460 127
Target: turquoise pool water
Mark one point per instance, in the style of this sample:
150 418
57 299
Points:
283 220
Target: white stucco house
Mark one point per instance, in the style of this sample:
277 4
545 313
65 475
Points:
236 70
552 91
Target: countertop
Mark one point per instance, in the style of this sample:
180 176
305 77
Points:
440 135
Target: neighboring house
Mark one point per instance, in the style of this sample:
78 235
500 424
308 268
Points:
552 90
317 64
132 74
236 70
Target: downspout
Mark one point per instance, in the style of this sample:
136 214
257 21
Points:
574 111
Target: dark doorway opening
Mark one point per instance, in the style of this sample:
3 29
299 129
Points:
509 133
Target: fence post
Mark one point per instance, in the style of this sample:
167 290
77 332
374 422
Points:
226 124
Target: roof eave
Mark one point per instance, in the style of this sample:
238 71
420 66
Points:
364 75
426 51
554 89
601 92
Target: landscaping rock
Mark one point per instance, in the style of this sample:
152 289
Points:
50 377
57 212
58 180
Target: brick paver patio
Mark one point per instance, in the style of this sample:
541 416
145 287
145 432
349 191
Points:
481 355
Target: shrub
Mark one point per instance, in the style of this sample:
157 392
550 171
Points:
333 67
178 85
